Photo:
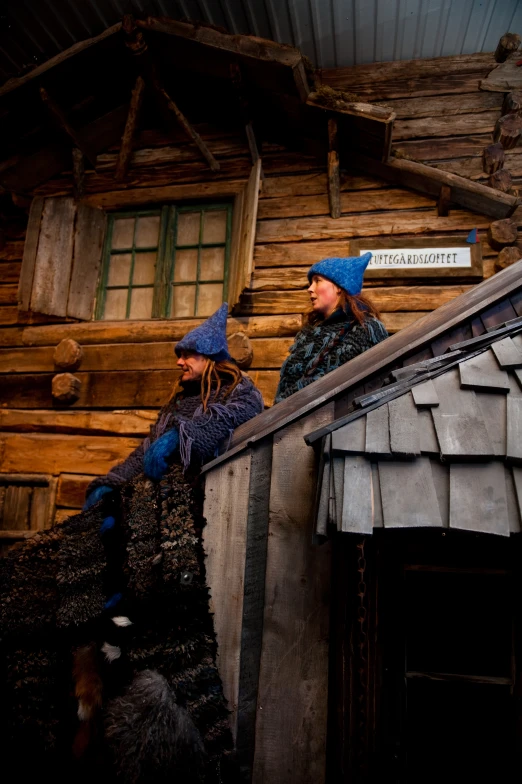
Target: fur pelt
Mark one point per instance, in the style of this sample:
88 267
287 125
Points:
152 737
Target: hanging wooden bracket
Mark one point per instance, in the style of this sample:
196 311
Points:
334 176
136 43
244 108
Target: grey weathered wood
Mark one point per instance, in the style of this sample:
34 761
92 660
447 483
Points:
378 516
32 235
440 474
493 410
512 502
483 374
323 501
408 494
350 437
517 481
54 258
88 243
224 541
427 436
507 354
253 603
518 376
378 432
358 496
514 429
425 394
478 498
462 435
293 681
404 433
338 490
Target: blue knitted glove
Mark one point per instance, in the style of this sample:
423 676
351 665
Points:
96 495
155 460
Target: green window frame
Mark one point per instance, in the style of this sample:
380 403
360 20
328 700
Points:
168 250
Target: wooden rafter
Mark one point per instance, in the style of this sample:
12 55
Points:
130 129
61 118
149 71
244 108
334 175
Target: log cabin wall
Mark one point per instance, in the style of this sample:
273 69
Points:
128 368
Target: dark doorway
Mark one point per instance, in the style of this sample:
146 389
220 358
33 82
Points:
438 694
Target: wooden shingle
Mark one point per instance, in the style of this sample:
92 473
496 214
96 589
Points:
493 410
351 438
478 498
514 429
429 444
338 490
404 432
357 503
425 394
512 502
378 432
482 373
378 519
409 499
507 353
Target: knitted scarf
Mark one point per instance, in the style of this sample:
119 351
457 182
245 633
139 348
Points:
93 625
318 349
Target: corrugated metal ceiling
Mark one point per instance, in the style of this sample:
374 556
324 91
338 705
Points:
331 33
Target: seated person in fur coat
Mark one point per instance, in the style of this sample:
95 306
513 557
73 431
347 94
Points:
107 648
342 324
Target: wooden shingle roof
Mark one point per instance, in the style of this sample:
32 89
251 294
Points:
440 446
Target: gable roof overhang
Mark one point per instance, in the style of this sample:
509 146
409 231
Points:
379 360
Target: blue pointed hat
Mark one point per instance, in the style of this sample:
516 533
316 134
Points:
210 338
347 273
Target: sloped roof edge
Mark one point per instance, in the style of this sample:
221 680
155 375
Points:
406 342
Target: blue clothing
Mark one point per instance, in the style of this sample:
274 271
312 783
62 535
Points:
346 273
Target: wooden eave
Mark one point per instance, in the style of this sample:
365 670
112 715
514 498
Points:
386 354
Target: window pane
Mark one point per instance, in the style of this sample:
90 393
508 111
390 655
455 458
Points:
183 301
119 270
212 264
122 233
209 299
115 304
185 265
141 303
144 268
188 228
215 227
147 231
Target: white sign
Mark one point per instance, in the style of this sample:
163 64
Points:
409 258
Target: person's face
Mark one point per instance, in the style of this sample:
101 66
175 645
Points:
191 365
324 295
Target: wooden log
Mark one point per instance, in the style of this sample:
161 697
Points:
444 201
502 233
10 271
493 158
8 294
407 298
56 454
71 489
110 390
508 44
439 106
64 123
314 183
78 165
507 257
143 331
101 423
512 103
501 180
267 353
12 250
241 349
507 131
367 201
334 183
66 388
68 355
389 223
130 129
453 125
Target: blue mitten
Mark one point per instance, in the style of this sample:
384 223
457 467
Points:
96 495
155 461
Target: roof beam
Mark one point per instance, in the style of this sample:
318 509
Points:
138 46
130 129
426 179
